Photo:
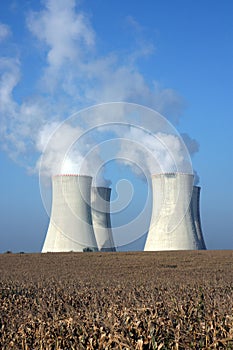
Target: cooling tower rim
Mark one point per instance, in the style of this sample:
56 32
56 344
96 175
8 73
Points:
197 186
102 187
71 175
172 173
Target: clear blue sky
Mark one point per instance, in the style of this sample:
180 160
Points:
55 58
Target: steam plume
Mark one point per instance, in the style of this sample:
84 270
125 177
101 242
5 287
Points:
73 75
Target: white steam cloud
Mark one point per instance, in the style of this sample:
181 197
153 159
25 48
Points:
157 153
74 75
5 32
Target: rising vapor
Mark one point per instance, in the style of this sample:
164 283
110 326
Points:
73 76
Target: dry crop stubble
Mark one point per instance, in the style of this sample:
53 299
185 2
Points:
160 300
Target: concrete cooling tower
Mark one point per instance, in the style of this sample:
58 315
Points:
175 222
196 215
100 202
70 227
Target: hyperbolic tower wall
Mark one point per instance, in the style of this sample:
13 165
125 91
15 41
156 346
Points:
175 221
100 201
196 215
70 227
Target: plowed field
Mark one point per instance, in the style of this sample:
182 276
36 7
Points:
136 300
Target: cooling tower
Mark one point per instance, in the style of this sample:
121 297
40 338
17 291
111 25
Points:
70 227
172 224
100 201
196 215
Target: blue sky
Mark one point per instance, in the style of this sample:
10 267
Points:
172 56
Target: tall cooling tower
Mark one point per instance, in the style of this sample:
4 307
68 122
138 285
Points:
196 215
172 224
70 227
100 200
